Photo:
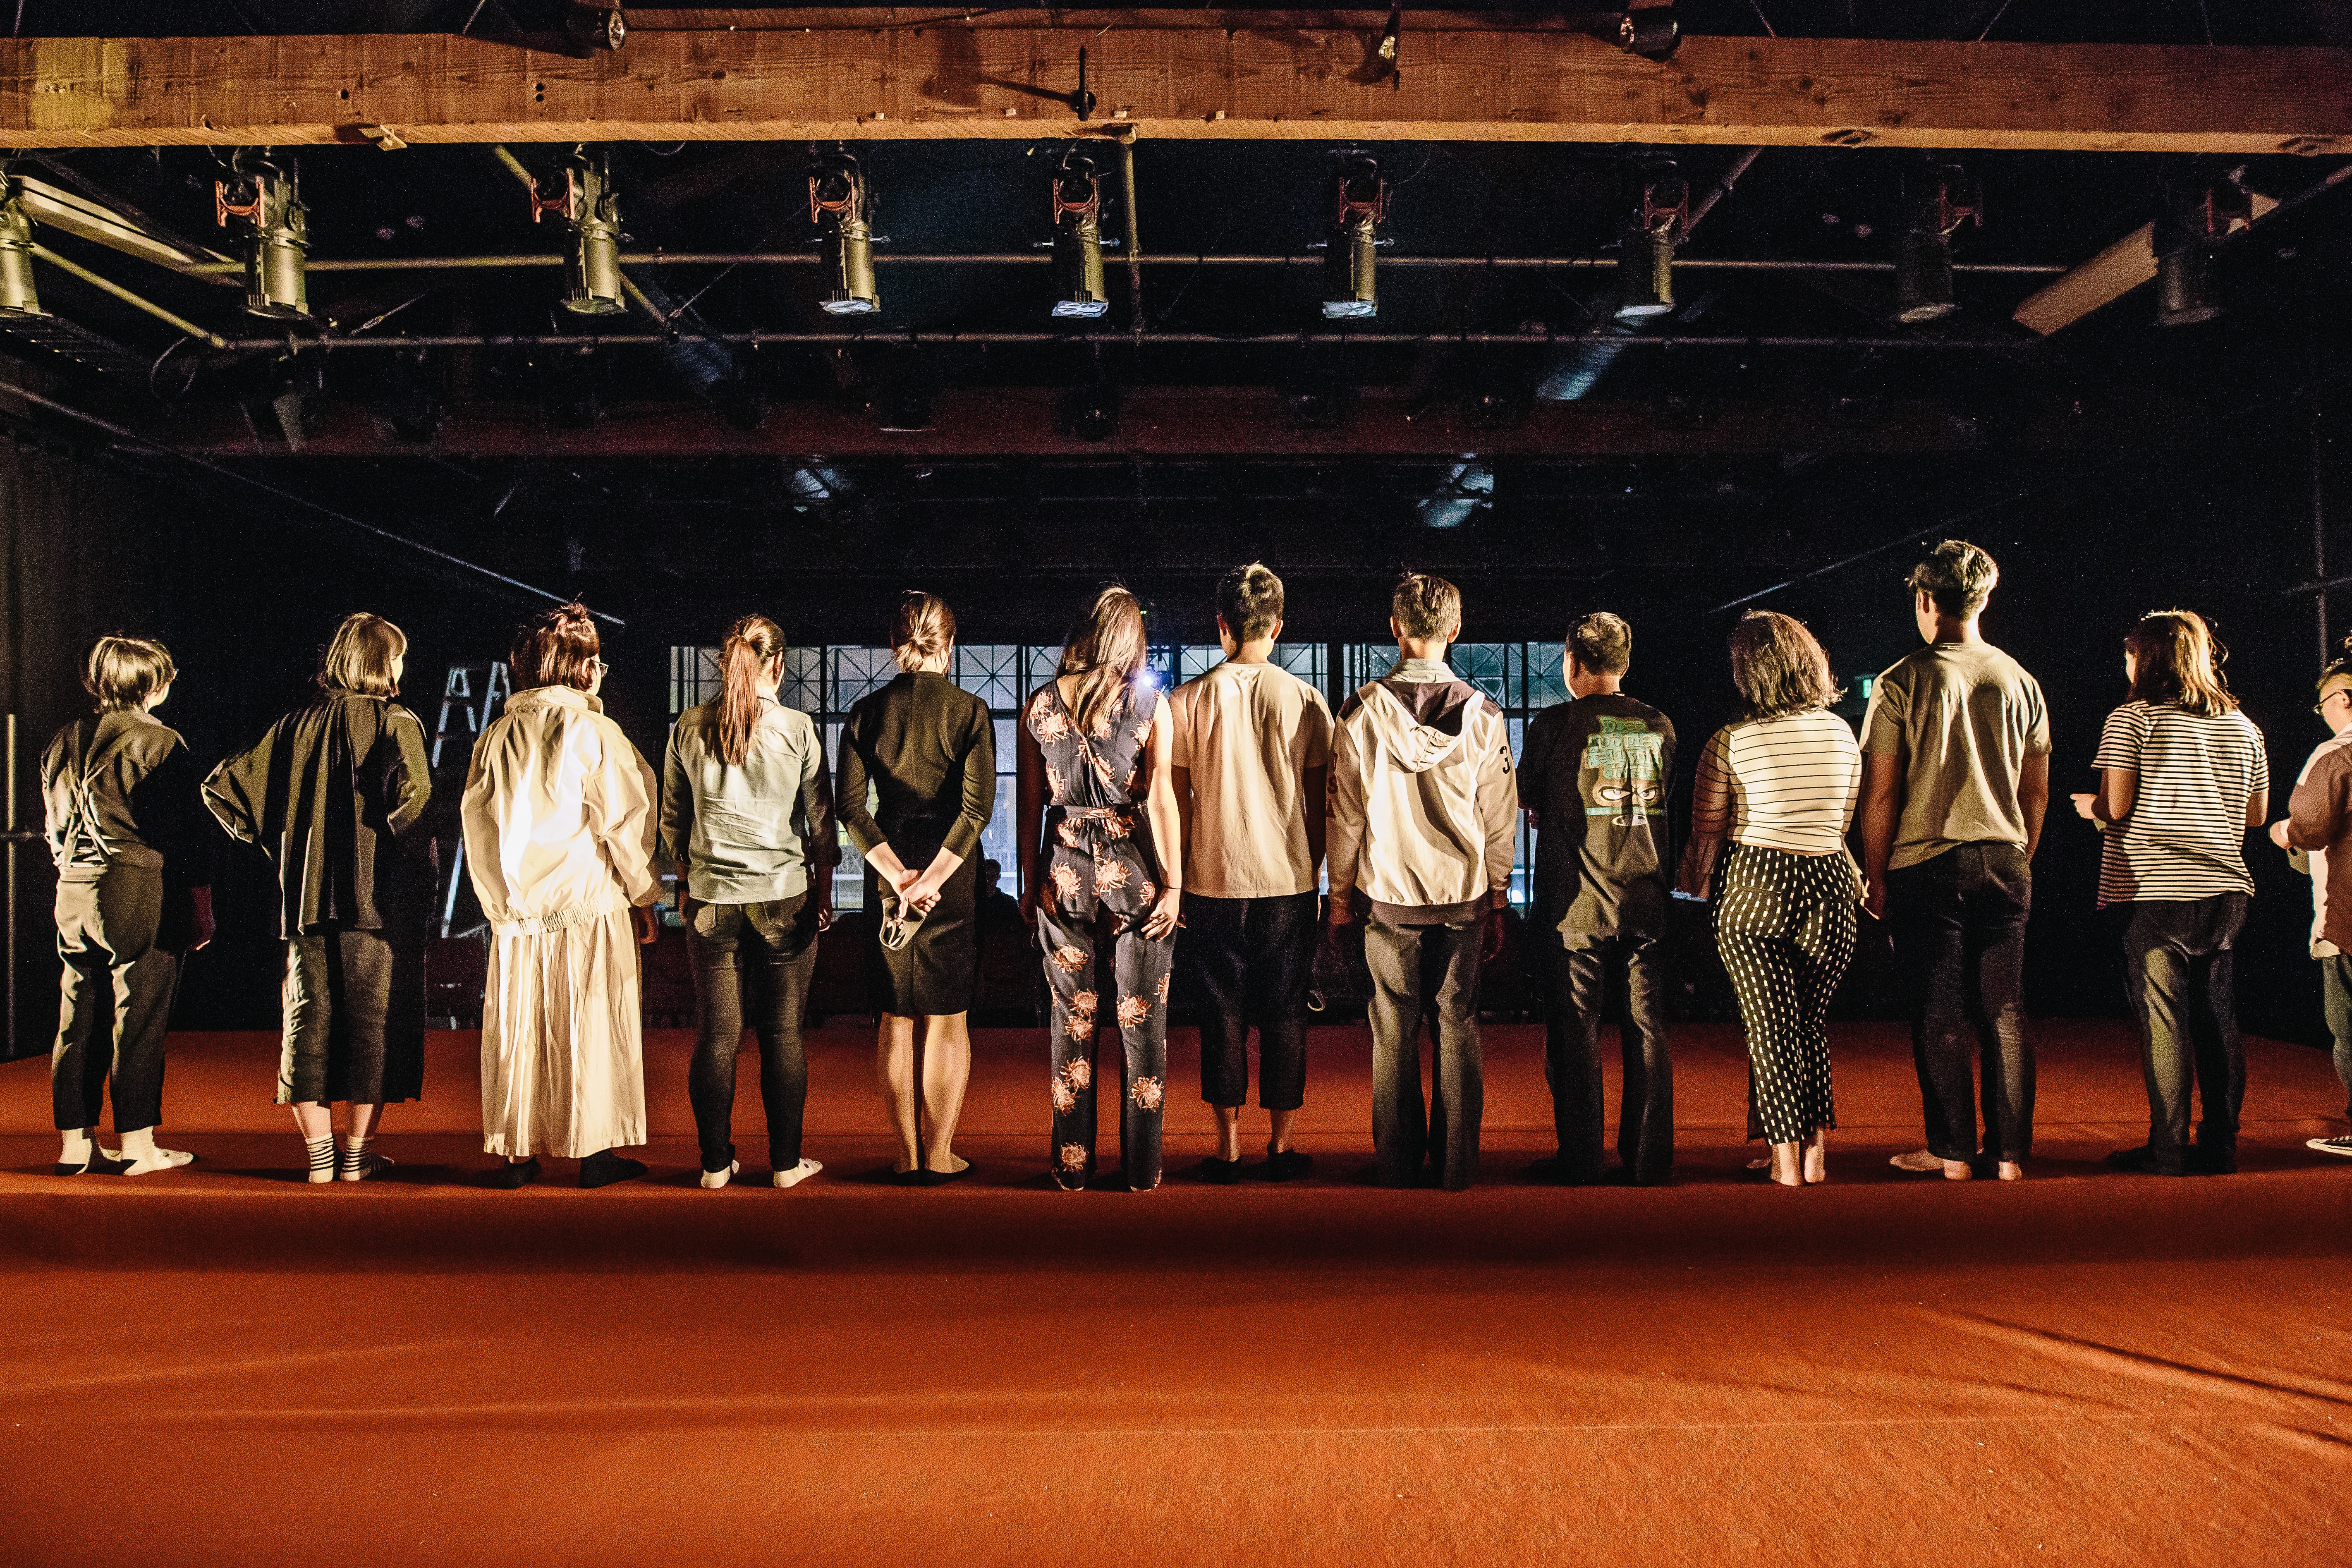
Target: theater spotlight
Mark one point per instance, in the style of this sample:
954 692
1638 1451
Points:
17 295
1077 239
1646 261
843 211
2195 217
1468 485
1937 200
1360 201
268 196
590 209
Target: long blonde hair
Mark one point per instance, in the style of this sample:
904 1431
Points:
1105 652
751 643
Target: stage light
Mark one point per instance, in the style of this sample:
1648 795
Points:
17 295
268 196
588 208
843 211
2195 217
1937 200
1645 259
1360 201
1468 485
1077 240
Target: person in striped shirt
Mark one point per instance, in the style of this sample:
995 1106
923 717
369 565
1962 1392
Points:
2182 776
1779 789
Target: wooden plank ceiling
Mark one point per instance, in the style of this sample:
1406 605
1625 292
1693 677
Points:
1312 75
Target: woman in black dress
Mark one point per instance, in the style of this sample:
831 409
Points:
336 794
1097 799
929 748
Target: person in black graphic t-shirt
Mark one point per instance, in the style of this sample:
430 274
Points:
1593 780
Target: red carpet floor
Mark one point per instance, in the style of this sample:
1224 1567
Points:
225 1366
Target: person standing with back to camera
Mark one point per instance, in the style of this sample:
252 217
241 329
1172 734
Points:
336 793
1098 814
134 897
1250 762
559 815
747 818
927 748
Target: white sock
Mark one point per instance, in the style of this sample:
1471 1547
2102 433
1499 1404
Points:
139 1148
74 1146
798 1174
714 1179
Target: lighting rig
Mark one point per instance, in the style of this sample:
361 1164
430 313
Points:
17 295
1360 200
590 210
2195 217
843 210
1645 259
1077 239
1937 201
266 192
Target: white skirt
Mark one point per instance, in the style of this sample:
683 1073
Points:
564 1066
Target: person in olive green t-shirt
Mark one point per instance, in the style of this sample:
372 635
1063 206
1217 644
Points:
1955 777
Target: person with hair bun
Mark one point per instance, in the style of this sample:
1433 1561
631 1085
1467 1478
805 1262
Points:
2182 775
559 817
1779 786
134 896
336 794
747 819
928 750
1095 746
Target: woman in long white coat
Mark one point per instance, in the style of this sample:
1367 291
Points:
560 825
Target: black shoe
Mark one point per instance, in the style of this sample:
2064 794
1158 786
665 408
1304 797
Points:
1220 1172
604 1168
1287 1166
2143 1161
2213 1159
511 1176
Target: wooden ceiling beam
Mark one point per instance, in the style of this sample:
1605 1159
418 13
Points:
1304 75
1217 423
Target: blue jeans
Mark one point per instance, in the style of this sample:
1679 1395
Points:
2178 972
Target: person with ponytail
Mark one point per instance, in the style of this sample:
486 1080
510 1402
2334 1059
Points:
2182 775
336 794
559 815
927 748
747 819
1104 836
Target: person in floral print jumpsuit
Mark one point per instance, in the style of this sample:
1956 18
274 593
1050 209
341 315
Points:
1096 799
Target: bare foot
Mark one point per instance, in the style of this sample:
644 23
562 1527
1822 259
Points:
1921 1161
1786 1168
2012 1171
1817 1157
1958 1171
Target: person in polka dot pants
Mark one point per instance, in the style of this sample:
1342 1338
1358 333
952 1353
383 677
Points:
1775 797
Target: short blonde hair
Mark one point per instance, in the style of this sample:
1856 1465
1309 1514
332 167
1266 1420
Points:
359 656
122 673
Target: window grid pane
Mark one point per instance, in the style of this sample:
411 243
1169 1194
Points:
1199 659
804 684
1307 660
992 672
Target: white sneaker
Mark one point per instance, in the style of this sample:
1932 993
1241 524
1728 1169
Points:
2331 1145
797 1175
714 1179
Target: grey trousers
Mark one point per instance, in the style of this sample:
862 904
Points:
2178 973
1429 971
115 1002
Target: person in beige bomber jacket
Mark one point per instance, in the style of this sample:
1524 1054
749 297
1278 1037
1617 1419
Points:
1421 826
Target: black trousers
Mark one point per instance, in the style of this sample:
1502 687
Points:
1255 958
121 968
2335 997
1582 981
1433 972
763 955
1958 926
354 1005
2178 971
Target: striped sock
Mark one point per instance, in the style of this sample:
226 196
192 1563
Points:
356 1163
322 1157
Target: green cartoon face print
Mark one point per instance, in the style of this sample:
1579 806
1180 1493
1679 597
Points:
1624 755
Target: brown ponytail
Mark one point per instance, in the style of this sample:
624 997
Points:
1105 653
751 643
925 628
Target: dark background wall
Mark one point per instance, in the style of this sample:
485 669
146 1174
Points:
245 591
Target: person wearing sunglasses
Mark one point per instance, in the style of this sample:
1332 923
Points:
2315 832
